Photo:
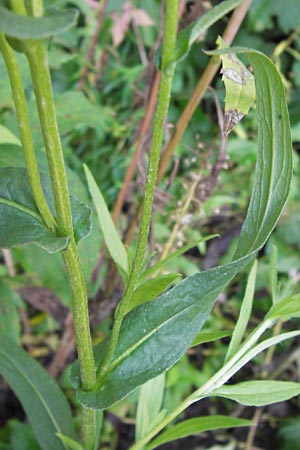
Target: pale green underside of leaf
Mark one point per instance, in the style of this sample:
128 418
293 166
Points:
25 27
259 393
197 425
42 400
155 335
20 221
209 336
148 410
244 314
286 308
70 443
114 244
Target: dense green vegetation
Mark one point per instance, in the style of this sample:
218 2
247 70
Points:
105 59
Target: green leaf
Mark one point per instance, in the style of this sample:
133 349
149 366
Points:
259 393
42 400
11 155
244 315
240 89
189 35
149 404
151 289
70 443
10 302
197 425
114 244
248 356
163 328
20 221
209 336
154 336
26 27
285 308
274 158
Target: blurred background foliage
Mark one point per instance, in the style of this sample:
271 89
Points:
101 102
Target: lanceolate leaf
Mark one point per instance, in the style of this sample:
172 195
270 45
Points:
149 406
26 27
155 335
196 426
244 315
114 244
259 393
44 403
20 222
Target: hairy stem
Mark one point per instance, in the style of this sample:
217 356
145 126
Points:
157 139
25 133
37 58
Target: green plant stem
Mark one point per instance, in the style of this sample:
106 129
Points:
169 42
18 6
25 134
37 57
38 61
220 378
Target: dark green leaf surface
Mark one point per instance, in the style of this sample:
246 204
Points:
155 335
49 276
25 27
196 426
42 400
259 393
20 222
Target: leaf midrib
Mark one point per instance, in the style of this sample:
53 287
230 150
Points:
22 208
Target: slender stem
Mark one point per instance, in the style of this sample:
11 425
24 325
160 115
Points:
25 134
37 58
169 42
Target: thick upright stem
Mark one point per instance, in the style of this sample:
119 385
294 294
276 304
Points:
169 42
37 58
